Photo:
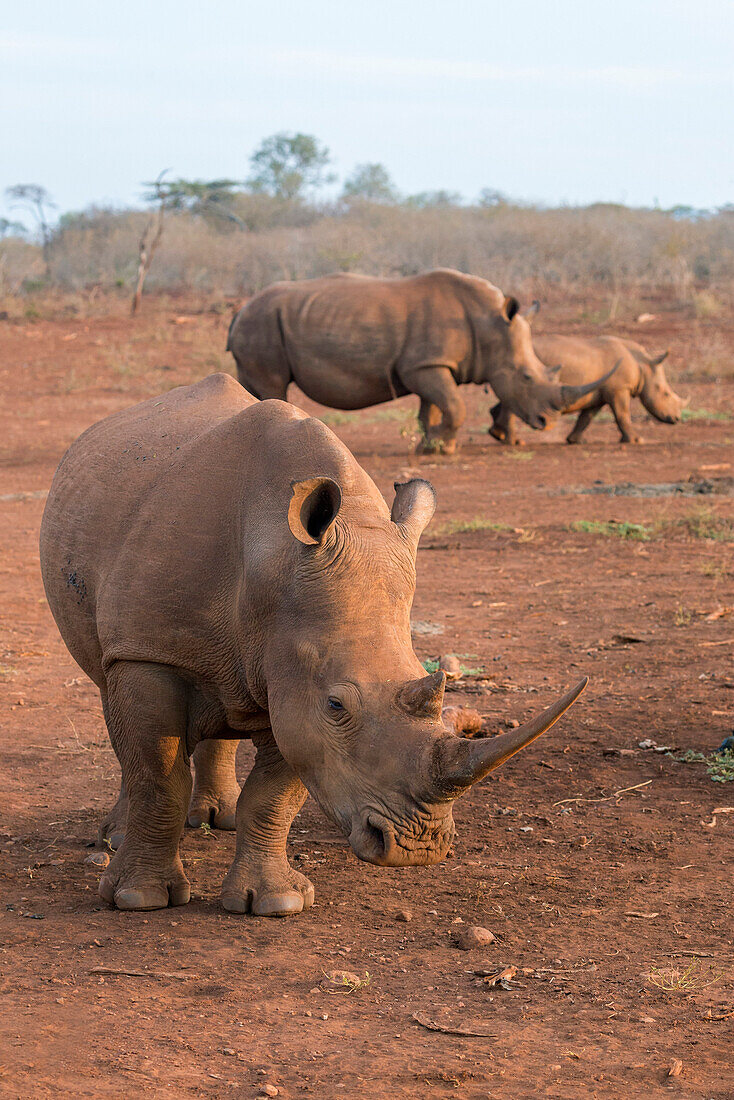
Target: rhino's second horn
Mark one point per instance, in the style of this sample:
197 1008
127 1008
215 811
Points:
424 698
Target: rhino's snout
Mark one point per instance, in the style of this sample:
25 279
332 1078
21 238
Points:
375 839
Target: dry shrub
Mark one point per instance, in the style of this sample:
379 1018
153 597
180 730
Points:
526 249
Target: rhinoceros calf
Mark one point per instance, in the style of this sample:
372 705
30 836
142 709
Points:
222 569
350 341
638 374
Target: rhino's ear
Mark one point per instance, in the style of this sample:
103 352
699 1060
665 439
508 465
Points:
553 372
413 507
313 508
510 307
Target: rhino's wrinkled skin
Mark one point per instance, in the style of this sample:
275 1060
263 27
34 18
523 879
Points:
581 359
349 341
223 568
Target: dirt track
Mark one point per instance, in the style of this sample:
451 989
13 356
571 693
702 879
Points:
589 893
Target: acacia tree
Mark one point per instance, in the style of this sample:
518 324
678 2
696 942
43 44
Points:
209 199
371 183
288 166
37 201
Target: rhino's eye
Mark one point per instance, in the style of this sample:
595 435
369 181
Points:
335 705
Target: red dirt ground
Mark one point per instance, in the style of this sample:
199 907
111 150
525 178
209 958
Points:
590 893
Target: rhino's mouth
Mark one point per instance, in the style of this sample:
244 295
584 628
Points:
375 838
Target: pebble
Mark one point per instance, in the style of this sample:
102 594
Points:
473 936
98 859
404 915
269 1090
228 1050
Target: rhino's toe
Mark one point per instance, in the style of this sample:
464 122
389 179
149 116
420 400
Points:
280 905
292 894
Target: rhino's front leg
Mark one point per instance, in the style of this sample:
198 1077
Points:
216 790
437 386
621 410
146 716
504 426
261 880
584 419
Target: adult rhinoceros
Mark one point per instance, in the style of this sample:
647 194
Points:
222 569
349 341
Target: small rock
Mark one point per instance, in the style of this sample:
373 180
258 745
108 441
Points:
433 912
228 1050
404 915
269 1090
451 665
98 859
473 936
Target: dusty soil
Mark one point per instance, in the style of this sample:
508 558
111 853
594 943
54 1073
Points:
600 866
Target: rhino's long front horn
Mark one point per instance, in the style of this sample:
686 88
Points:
565 396
461 762
424 698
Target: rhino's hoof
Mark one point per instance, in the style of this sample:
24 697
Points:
277 903
159 895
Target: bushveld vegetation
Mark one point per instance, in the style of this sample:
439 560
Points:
230 238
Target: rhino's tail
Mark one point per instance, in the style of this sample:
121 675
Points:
229 330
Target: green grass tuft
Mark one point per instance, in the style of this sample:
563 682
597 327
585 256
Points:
719 765
610 528
703 414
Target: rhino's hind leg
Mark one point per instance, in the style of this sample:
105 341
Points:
261 880
429 417
146 717
112 829
216 790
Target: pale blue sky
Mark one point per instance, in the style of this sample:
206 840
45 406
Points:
569 101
